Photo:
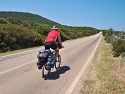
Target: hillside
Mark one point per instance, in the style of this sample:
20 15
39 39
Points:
19 30
26 16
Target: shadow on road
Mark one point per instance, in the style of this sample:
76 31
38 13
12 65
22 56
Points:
56 74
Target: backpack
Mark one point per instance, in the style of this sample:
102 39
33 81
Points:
42 55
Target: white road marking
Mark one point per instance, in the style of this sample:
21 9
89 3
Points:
42 47
19 53
72 86
17 67
28 62
70 89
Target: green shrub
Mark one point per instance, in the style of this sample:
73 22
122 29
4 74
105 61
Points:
119 46
13 37
108 38
123 54
3 21
14 21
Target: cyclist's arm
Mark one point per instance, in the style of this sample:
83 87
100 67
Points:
59 39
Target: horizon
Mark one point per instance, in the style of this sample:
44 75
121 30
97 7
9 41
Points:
95 13
54 21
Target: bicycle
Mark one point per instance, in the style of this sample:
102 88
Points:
45 58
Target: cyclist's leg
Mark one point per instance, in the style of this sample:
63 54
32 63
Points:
47 45
57 52
55 47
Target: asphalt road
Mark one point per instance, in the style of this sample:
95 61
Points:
19 73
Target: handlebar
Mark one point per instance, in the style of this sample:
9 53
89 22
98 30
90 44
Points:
59 46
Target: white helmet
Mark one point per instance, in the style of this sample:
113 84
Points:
54 27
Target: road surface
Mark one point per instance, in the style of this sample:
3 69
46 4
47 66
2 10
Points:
19 73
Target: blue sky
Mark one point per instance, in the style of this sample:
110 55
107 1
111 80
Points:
100 14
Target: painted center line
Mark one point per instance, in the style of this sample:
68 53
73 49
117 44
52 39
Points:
17 67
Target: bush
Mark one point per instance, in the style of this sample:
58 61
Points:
13 37
123 54
119 46
108 38
3 21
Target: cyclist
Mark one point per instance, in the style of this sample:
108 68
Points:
51 39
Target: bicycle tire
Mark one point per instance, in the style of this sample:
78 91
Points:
45 73
58 62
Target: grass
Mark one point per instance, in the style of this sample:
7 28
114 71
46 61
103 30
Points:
108 74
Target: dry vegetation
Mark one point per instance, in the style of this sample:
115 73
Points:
108 74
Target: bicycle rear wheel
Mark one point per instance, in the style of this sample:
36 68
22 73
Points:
45 73
58 62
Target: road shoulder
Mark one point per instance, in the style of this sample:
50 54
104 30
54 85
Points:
87 74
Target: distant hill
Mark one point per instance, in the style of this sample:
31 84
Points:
23 16
19 30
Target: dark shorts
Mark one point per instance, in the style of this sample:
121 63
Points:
51 45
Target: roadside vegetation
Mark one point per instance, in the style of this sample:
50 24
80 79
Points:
108 70
19 30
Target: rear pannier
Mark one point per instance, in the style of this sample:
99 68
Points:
42 55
